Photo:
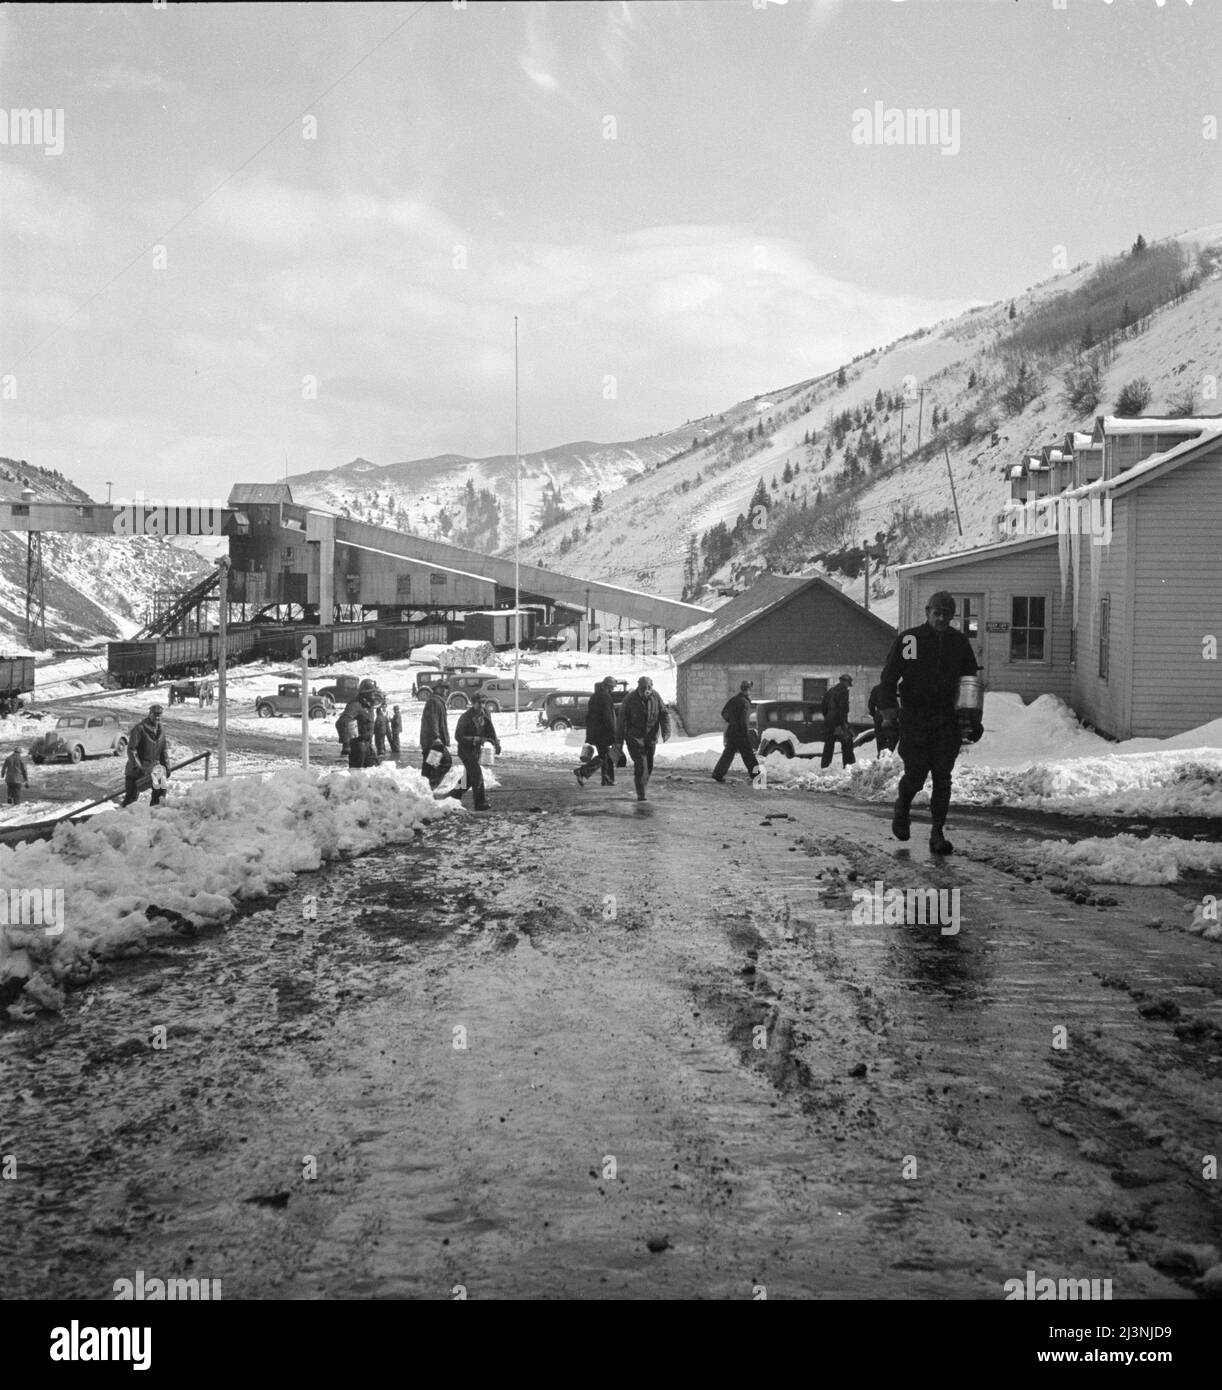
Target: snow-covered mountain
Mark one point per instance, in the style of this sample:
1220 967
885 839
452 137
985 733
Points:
971 394
993 384
432 496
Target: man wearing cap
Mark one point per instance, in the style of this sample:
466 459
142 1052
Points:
473 730
642 717
396 732
919 685
435 734
737 714
600 734
836 723
146 750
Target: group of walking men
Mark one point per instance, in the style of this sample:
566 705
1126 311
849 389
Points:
473 730
631 732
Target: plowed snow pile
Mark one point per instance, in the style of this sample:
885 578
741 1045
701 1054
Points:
128 875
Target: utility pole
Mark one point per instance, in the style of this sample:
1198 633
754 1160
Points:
517 527
222 625
953 498
920 415
866 552
901 431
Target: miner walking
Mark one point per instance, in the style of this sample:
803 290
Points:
919 685
737 714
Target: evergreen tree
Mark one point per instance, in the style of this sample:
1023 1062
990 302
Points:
840 377
597 504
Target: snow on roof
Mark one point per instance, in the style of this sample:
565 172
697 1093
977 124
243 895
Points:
1149 463
1149 424
259 493
765 593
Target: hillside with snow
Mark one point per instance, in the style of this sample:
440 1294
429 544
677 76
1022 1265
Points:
92 587
799 478
817 468
451 497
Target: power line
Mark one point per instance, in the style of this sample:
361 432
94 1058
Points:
233 173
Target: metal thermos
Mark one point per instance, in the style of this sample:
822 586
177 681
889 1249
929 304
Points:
969 699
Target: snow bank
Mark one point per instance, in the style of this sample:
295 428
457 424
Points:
131 874
1127 859
1038 757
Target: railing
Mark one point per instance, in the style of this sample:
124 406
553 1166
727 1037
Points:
43 830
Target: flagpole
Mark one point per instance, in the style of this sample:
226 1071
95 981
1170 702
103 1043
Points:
517 526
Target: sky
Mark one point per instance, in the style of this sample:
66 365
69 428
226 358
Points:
298 234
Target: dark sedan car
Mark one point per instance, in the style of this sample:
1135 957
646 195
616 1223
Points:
795 728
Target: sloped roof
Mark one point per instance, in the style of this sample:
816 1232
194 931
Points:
259 493
768 592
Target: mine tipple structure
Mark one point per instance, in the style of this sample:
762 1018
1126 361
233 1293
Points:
331 567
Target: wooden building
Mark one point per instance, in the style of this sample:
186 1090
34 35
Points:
792 636
1111 592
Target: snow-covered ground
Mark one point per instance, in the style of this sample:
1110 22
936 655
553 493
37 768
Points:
122 877
218 842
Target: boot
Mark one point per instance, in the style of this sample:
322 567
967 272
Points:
899 823
938 843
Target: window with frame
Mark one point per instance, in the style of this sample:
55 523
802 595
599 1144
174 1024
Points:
1105 638
814 688
1028 628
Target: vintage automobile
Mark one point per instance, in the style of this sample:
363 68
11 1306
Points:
80 734
566 709
795 728
287 700
345 688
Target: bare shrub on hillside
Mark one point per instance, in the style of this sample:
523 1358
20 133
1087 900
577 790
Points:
1083 386
1134 397
1182 404
1117 298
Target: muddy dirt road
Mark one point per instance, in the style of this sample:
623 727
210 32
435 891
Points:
586 1047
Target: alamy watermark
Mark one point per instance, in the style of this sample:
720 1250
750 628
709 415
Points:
913 125
1086 1290
1051 516
907 907
22 126
175 517
33 907
152 1290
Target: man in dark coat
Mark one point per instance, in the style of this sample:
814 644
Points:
737 714
600 732
396 731
16 776
381 728
924 666
885 736
435 735
146 750
642 717
472 731
836 724
359 713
